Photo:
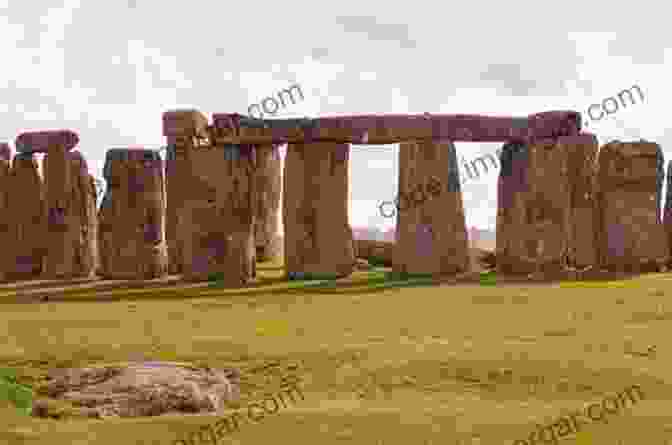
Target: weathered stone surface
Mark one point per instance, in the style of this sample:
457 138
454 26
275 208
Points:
141 389
390 128
85 216
631 236
318 237
533 209
667 213
215 225
71 216
185 123
92 217
43 141
581 163
62 230
269 184
431 232
26 249
184 130
131 216
6 228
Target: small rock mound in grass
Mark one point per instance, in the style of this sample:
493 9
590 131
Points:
139 390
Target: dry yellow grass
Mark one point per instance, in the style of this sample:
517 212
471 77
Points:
431 364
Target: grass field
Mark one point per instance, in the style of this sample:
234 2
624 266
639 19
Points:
383 361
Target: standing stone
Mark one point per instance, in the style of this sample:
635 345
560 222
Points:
62 230
581 163
431 228
84 198
269 184
183 129
631 236
318 237
215 225
93 210
131 216
533 209
64 208
667 214
6 234
26 207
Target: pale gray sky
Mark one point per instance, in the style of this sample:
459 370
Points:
109 69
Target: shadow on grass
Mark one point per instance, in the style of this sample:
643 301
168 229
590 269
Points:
377 280
372 281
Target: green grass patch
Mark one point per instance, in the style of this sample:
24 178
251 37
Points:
216 276
19 395
488 278
377 261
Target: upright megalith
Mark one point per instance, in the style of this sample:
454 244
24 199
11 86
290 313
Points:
667 212
86 219
215 225
269 183
26 248
431 228
71 218
318 238
184 130
130 233
6 235
67 240
533 209
581 163
631 237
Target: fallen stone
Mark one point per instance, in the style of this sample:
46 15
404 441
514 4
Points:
139 390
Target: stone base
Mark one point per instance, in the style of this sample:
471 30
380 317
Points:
272 250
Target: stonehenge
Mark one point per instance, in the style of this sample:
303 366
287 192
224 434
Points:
183 129
6 226
318 237
131 216
269 186
631 235
533 208
70 213
212 209
27 216
431 236
216 220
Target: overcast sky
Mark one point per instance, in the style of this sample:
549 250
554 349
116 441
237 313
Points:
109 69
